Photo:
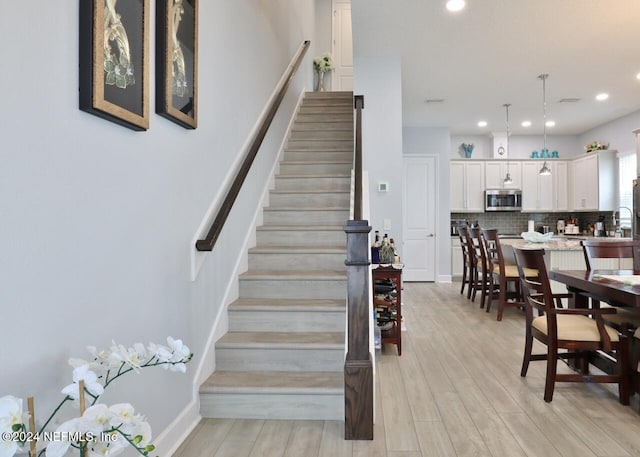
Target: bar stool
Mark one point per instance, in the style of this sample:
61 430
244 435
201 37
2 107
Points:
467 262
502 275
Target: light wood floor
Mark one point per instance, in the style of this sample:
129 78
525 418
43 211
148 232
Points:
456 391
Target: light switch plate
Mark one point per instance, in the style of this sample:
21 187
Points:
386 224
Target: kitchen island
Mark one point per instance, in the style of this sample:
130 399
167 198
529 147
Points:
564 253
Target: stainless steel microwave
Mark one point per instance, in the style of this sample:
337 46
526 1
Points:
503 200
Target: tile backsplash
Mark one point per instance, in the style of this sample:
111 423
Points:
515 222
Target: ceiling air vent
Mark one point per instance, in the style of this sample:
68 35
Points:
434 100
568 100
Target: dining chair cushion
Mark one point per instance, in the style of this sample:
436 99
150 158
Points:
575 328
511 271
637 334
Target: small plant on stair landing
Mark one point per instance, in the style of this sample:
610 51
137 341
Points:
101 430
322 65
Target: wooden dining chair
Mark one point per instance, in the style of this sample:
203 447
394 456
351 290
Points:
566 328
480 265
466 259
501 275
625 320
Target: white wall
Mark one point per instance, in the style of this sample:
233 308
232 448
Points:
424 140
96 220
617 133
379 80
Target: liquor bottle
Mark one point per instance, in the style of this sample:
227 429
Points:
375 248
376 242
396 257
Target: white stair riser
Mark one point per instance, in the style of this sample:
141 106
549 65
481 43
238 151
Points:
329 199
311 168
345 126
322 134
329 101
320 109
296 321
342 184
329 117
266 359
274 216
282 262
270 288
314 156
272 406
320 144
301 238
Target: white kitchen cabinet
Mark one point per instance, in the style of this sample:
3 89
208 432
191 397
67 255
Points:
537 190
595 182
496 171
467 186
456 258
560 173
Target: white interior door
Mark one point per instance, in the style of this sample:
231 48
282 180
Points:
342 47
419 214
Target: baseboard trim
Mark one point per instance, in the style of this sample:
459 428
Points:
168 442
444 278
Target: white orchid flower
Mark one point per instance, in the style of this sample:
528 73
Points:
11 411
123 416
90 383
7 447
97 418
163 353
144 430
180 350
131 356
108 449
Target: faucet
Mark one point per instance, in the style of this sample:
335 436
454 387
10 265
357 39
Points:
613 217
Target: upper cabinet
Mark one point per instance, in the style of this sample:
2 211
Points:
495 173
467 186
595 182
537 190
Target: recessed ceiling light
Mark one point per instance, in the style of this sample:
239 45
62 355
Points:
601 97
482 124
638 76
455 5
526 123
551 123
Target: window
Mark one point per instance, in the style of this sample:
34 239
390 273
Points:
627 173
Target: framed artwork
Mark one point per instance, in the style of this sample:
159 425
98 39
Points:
177 61
114 61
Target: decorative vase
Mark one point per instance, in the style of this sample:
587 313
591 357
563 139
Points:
467 154
320 85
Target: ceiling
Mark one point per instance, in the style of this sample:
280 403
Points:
492 52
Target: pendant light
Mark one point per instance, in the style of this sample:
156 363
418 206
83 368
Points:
507 179
545 170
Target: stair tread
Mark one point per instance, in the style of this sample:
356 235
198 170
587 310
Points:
318 151
305 208
294 275
299 249
316 175
265 382
316 162
309 228
309 191
287 304
282 340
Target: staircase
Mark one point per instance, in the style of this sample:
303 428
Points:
283 356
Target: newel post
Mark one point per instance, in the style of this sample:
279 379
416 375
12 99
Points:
358 367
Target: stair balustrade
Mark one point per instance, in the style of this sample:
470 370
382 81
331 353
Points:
358 367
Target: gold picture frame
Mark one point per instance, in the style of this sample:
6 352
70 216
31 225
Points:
114 61
177 61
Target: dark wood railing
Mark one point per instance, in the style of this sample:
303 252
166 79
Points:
209 241
358 366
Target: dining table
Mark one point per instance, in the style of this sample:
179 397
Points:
618 288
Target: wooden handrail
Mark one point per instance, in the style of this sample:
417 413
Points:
209 241
357 162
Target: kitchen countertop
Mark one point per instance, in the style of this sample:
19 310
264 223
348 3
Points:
559 243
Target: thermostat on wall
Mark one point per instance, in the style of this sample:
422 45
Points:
383 187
